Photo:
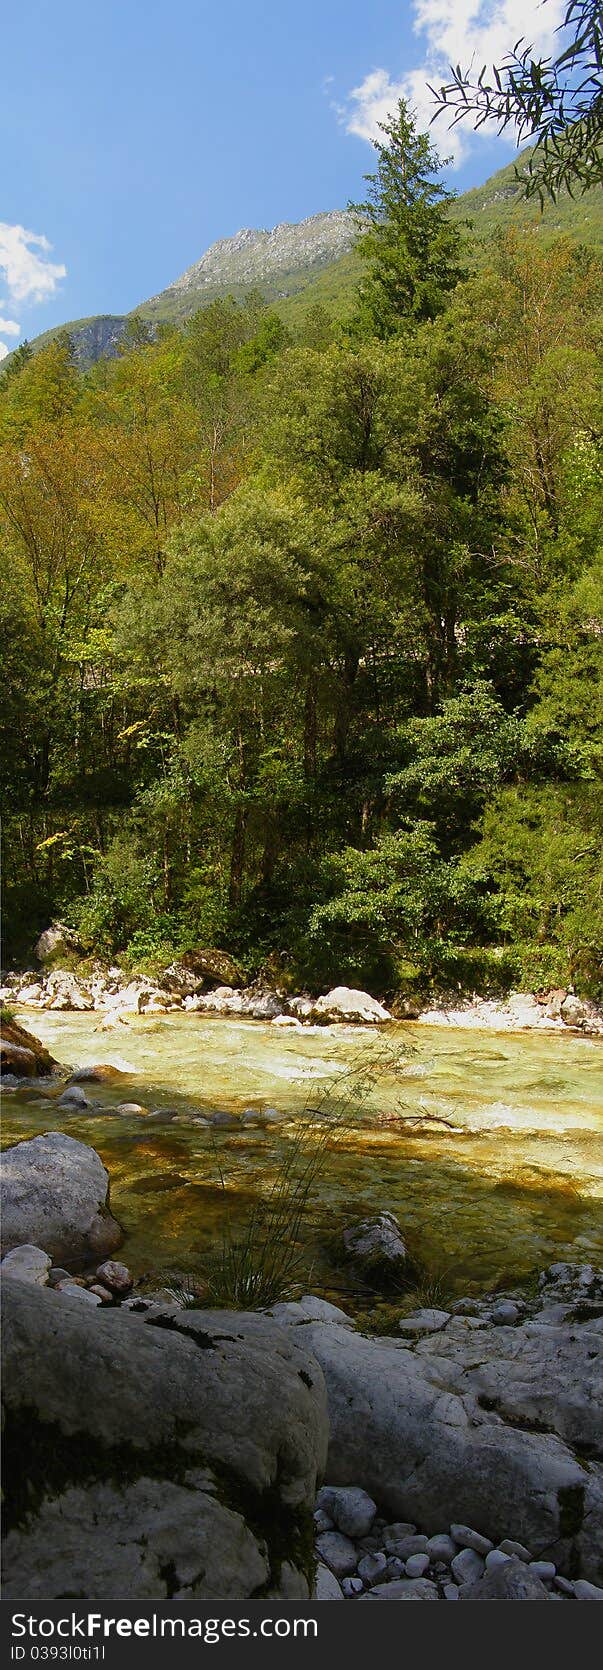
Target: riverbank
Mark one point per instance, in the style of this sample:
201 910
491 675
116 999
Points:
115 995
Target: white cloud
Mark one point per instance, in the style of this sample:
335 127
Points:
469 32
29 275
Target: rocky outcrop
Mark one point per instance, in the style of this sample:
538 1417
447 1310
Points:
170 1455
495 1425
22 1054
55 1194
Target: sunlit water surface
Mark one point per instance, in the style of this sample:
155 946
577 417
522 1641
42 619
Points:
487 1147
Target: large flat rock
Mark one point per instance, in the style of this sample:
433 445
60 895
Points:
172 1454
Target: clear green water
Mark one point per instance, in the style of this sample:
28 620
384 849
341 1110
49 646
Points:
487 1146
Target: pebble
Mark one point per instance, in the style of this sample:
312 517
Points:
417 1565
508 1546
544 1569
450 1591
352 1586
106 1298
563 1583
505 1312
337 1552
73 1098
467 1566
115 1276
373 1566
495 1558
467 1538
322 1521
407 1546
442 1548
587 1591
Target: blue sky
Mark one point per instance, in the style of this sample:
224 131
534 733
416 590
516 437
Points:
134 134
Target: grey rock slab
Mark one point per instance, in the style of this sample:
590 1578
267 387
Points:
467 1566
326 1586
55 1194
147 1540
337 1552
512 1581
202 1382
27 1263
405 1588
350 1508
182 1394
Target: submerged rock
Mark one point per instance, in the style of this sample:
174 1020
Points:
377 1245
55 1192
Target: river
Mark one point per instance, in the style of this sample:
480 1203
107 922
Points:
486 1146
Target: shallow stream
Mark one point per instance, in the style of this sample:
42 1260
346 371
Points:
487 1146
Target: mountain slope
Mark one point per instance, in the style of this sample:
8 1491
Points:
312 262
279 262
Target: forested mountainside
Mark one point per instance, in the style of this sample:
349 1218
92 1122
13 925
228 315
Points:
298 266
302 622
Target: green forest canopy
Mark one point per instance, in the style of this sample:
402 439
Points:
303 623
